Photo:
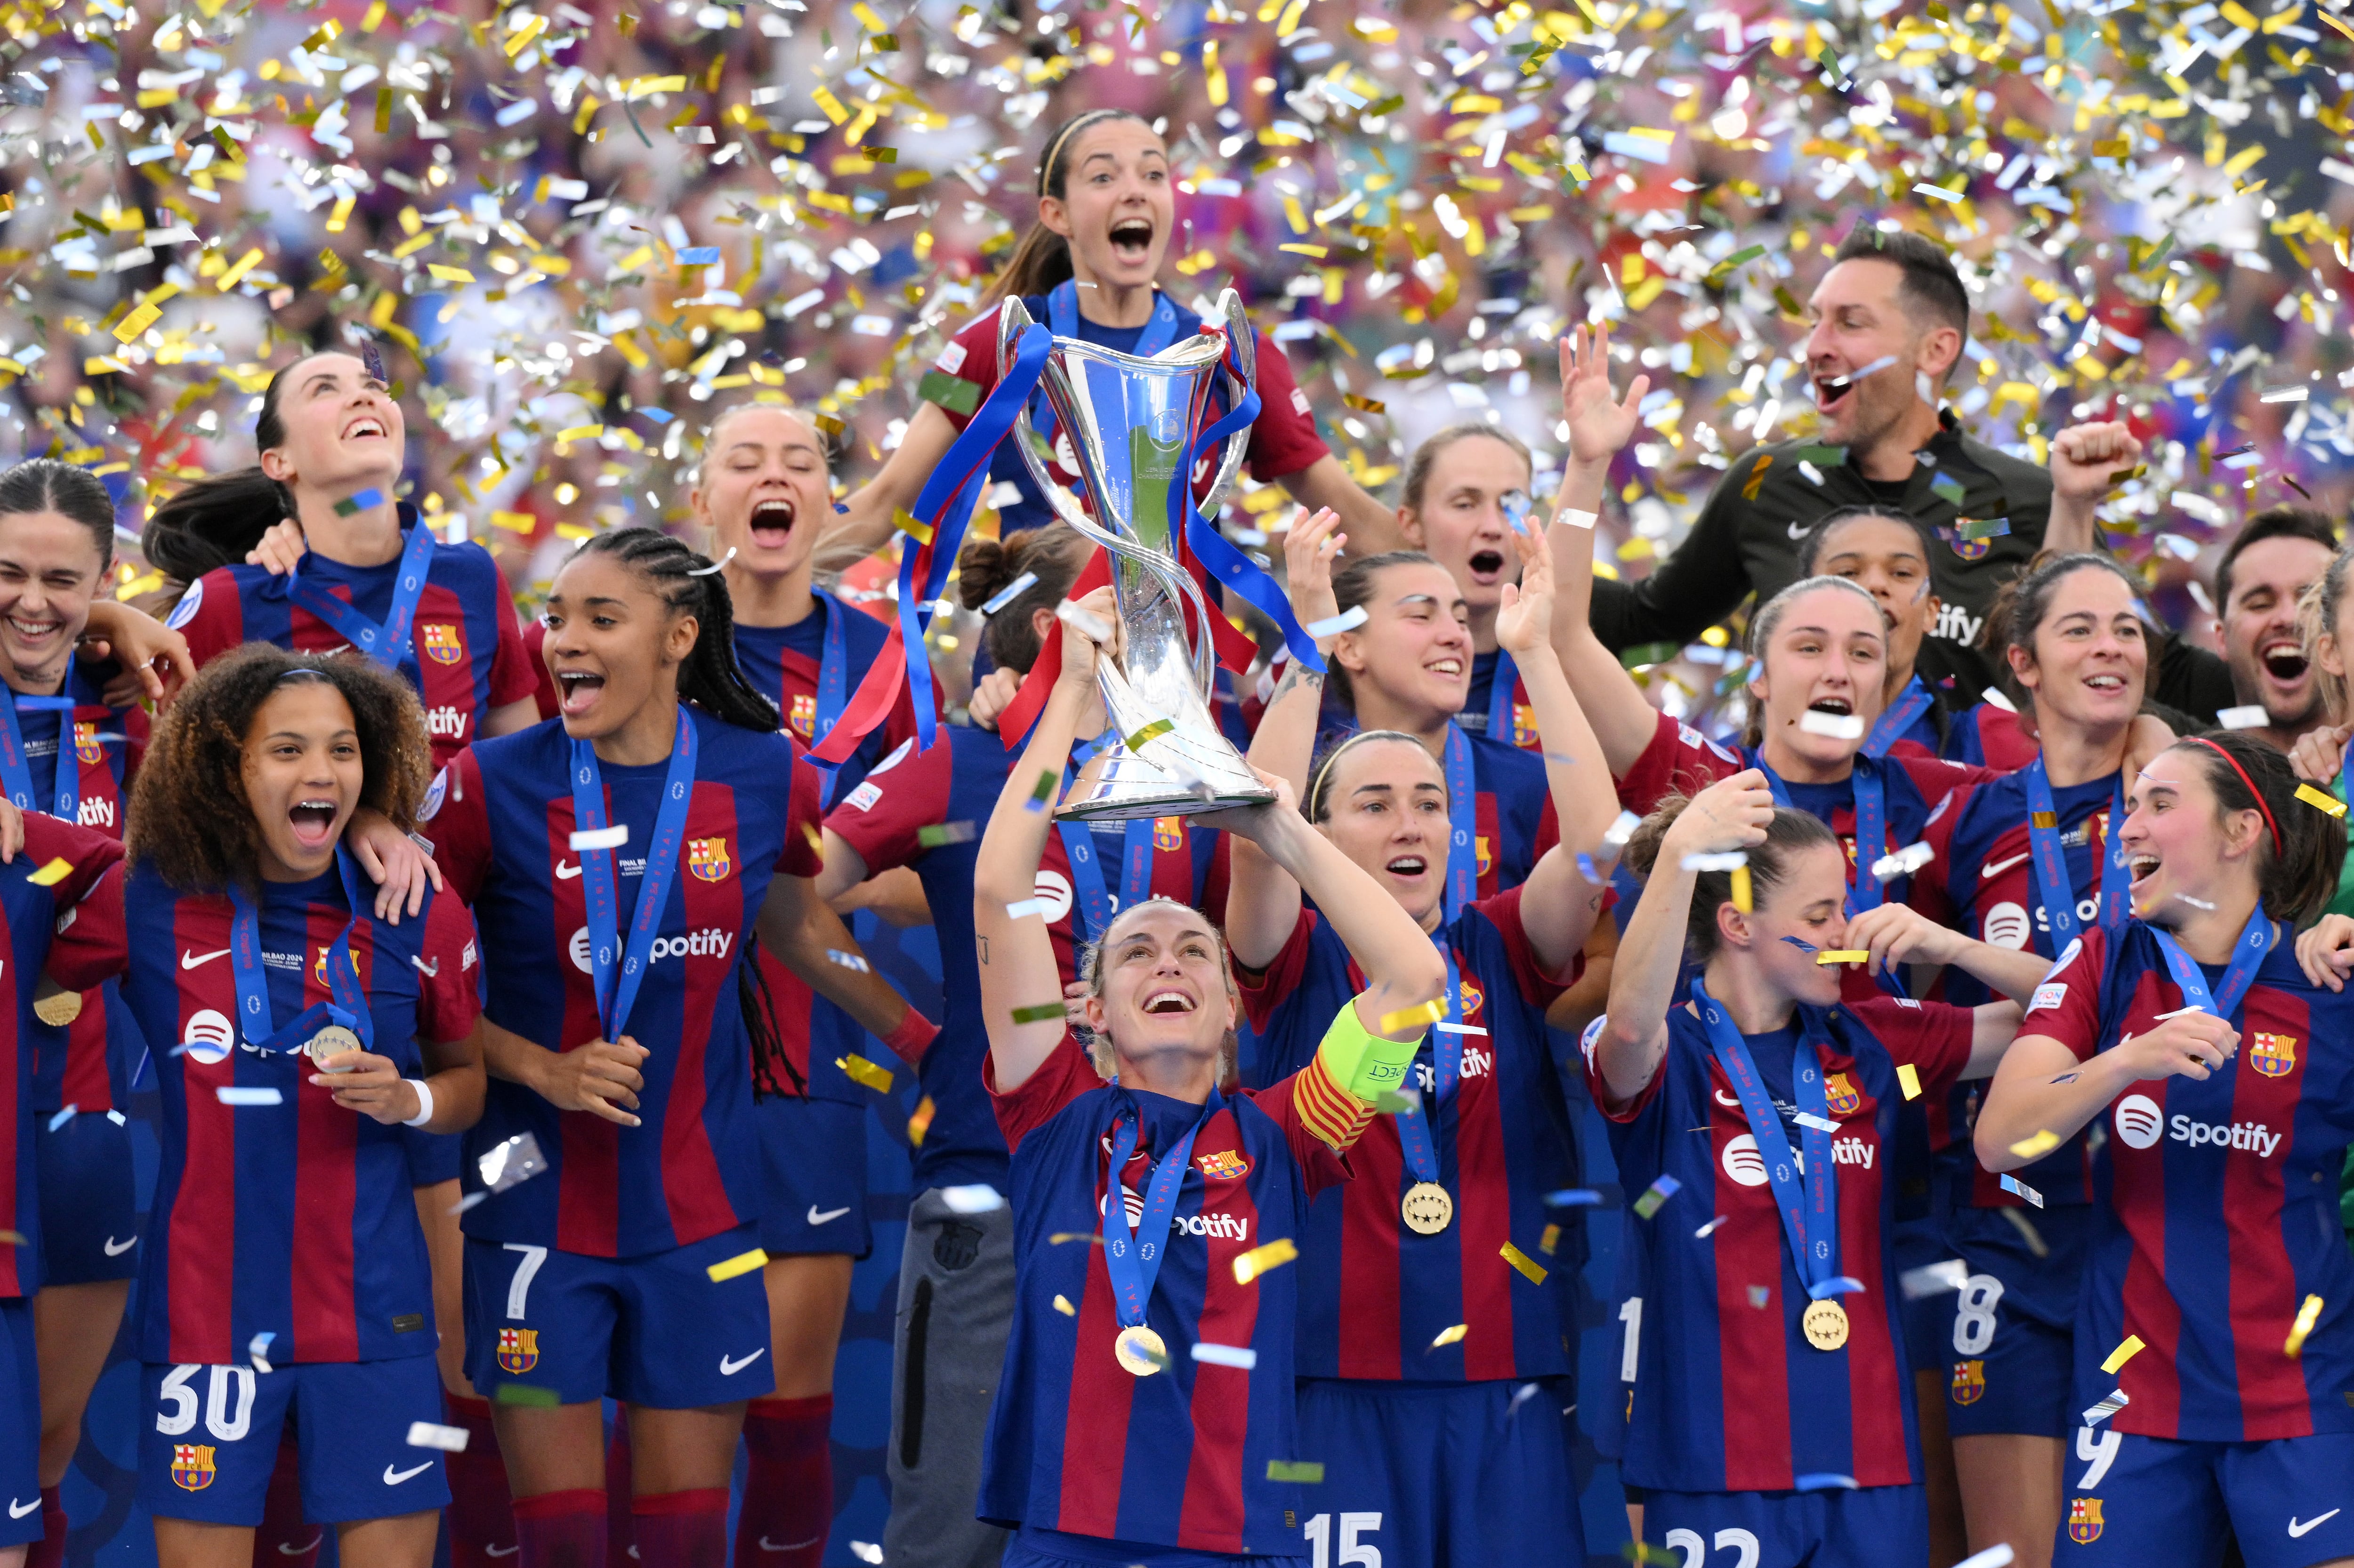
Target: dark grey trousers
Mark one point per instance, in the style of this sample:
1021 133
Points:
956 1307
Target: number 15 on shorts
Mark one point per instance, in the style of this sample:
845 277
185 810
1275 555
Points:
1346 1546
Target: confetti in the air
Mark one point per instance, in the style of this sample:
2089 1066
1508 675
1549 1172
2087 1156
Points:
1412 1017
2013 1184
2121 1354
1934 1279
1451 1335
1843 956
1655 1195
2307 1316
352 506
257 1350
847 961
1063 1305
939 833
1043 1012
1010 592
2108 1406
610 838
1307 1472
1347 619
872 1074
1710 1228
1908 1079
231 1094
1529 1266
1260 1260
2043 1142
2320 800
426 1434
50 875
742 1263
1241 1356
1837 727
979 1198
2250 715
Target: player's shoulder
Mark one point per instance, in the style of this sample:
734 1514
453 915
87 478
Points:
979 335
727 746
223 589
466 561
862 635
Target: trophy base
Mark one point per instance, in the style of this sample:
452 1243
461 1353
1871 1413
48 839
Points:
1118 786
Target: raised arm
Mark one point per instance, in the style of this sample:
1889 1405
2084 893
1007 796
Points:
1897 933
2041 1087
1262 898
1326 485
1731 814
863 524
1015 953
1599 424
801 928
2086 461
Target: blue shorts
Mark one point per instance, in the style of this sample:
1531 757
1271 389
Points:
1919 1243
1441 1475
655 1331
2009 1336
89 1200
2138 1500
813 1199
1870 1527
208 1454
20 1423
432 1156
1060 1549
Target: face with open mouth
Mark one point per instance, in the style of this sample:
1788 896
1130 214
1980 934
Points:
304 775
2270 663
1165 994
49 570
1114 207
1862 352
343 431
2182 849
1807 906
1885 557
1825 655
613 644
763 490
2090 663
1413 652
1457 517
1386 809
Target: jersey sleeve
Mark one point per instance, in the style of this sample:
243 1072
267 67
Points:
456 821
209 615
89 855
802 855
448 999
512 676
542 689
1679 761
1938 891
1538 988
1283 438
1267 990
91 945
1932 1037
136 730
1062 1078
2067 1006
1320 1120
882 817
966 371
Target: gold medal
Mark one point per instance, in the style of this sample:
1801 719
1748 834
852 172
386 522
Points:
1132 1349
58 1010
332 1041
1826 1324
1426 1209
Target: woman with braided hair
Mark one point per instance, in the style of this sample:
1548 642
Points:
626 854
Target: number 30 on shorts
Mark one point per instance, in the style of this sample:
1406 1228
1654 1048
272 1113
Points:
227 1401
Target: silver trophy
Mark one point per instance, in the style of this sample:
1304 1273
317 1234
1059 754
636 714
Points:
1125 422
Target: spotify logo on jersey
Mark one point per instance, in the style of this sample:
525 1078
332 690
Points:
2139 1121
209 1036
1744 1163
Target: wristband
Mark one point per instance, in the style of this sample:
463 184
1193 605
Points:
913 1037
424 1103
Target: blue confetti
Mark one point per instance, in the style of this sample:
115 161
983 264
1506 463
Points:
1824 1482
1837 1284
64 1116
699 256
1572 1198
659 416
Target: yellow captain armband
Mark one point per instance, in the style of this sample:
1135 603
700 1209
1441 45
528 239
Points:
1352 1067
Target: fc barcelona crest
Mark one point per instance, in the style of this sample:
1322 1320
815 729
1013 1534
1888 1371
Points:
192 1466
1472 999
2273 1055
1168 834
1840 1095
86 748
319 968
803 716
707 858
518 1349
1227 1165
442 642
2083 1521
1969 1382
1524 724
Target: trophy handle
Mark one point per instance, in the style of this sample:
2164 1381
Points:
1244 340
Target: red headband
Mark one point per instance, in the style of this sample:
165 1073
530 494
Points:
2250 783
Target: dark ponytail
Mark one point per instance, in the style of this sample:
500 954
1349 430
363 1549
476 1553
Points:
45 484
1790 831
2298 876
1055 554
1042 260
217 522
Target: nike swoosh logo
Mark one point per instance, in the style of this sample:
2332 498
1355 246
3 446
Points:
2296 1529
190 961
393 1477
502 1551
830 1214
1798 532
35 1507
1993 869
729 1366
1727 1100
114 1251
565 873
304 1551
768 1545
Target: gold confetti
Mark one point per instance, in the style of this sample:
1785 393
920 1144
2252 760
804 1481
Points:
1260 1260
1453 1336
1527 1266
2126 1352
2320 801
742 1263
861 1071
2043 1142
1843 956
1430 1012
137 322
920 1122
1063 1305
2307 1317
49 876
1909 1080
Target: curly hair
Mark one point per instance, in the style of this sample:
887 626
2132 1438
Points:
189 814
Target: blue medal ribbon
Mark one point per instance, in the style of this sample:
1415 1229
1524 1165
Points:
1897 717
16 763
349 1007
1500 691
1811 1224
388 643
2248 953
1133 1259
832 679
598 881
1447 1069
2051 885
1462 825
1870 826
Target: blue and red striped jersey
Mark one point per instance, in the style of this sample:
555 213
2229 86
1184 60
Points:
1985 875
958 781
1374 1295
293 1219
1517 823
501 823
2215 1203
465 656
1479 705
1179 1459
1729 1394
29 913
73 1065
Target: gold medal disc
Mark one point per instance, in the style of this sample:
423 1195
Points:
1826 1324
1427 1208
332 1041
58 1010
1132 1346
